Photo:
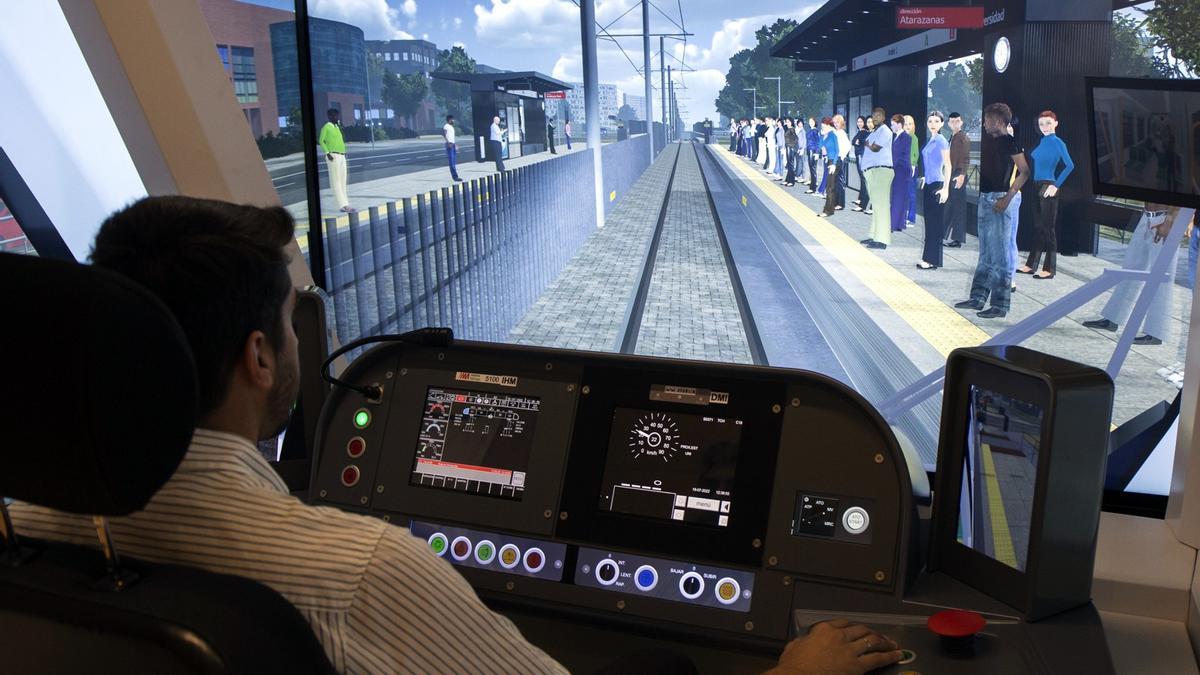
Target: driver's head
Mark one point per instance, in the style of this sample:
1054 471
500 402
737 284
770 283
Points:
222 271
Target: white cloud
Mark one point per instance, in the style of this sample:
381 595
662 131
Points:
377 20
527 23
457 23
409 8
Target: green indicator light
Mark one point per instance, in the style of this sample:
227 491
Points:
438 544
362 418
485 552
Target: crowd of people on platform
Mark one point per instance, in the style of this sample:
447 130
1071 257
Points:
895 171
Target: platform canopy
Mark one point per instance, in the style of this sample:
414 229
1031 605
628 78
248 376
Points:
526 80
858 33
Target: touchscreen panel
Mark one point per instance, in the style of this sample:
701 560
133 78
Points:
671 466
475 442
999 476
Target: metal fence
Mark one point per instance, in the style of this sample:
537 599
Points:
473 256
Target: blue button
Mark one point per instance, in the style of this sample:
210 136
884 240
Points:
646 578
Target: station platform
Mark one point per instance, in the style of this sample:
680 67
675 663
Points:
712 270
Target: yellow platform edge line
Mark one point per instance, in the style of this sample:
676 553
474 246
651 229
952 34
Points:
940 326
1002 544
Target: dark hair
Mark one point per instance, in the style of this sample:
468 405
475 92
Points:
898 118
955 116
936 113
449 118
220 268
1000 111
827 120
332 111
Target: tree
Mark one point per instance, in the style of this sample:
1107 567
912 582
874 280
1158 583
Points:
951 90
404 93
975 75
1174 27
626 113
454 97
812 93
1132 49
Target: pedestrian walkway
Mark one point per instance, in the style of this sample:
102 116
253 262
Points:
586 307
691 311
915 306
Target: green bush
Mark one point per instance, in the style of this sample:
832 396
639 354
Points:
270 145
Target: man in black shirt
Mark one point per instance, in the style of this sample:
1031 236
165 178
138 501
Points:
960 162
999 153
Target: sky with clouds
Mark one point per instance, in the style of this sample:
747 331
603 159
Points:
544 35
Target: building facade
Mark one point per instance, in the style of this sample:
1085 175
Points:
405 57
611 100
242 35
339 68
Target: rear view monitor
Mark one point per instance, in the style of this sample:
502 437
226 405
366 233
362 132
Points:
999 475
1145 139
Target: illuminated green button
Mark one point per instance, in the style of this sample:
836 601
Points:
485 552
362 418
438 544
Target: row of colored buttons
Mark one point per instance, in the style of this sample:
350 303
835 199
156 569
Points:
485 552
691 584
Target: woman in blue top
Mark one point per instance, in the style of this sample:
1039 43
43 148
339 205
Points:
1049 154
829 146
935 158
902 164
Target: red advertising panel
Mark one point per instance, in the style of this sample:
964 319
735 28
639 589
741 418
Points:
920 18
556 94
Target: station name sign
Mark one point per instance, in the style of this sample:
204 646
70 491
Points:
939 17
556 94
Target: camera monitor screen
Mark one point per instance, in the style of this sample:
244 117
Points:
999 476
672 466
475 442
1146 137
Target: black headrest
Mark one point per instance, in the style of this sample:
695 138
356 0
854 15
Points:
98 403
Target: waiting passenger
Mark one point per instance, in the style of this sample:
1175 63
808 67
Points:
902 164
997 187
877 167
377 598
935 158
960 162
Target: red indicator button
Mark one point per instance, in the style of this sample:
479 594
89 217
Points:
350 476
461 548
356 447
534 560
956 623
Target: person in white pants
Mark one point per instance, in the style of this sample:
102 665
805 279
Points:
334 147
772 150
1144 246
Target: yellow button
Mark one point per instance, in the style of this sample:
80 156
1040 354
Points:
727 591
509 556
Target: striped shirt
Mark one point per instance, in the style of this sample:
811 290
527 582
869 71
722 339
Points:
376 597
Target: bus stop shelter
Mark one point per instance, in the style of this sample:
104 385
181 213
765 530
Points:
518 98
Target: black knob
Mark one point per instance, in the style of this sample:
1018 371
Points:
691 585
607 571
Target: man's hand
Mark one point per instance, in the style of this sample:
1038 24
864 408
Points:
832 169
836 648
1002 203
943 195
960 181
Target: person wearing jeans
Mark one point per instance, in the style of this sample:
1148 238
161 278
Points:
999 154
452 147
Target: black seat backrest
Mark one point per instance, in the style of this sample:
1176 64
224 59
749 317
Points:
96 412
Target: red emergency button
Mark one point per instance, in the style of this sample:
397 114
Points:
956 623
356 447
350 476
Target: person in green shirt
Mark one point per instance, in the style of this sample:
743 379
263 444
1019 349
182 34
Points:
334 147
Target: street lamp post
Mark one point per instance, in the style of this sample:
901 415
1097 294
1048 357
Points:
754 110
778 95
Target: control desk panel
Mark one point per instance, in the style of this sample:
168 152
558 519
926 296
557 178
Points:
698 496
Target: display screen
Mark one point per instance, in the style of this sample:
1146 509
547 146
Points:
673 466
475 442
1148 139
999 476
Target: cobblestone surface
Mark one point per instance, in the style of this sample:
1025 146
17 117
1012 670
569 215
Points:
585 307
691 311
